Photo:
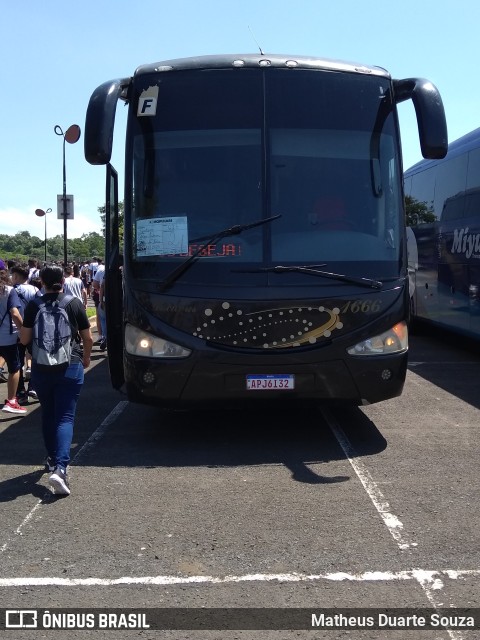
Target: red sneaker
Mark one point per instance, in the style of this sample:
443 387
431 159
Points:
13 407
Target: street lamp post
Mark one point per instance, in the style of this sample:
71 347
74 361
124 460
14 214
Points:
40 213
71 135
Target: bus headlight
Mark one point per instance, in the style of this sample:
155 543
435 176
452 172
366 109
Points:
394 340
141 343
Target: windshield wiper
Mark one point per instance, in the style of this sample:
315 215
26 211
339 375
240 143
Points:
312 271
206 240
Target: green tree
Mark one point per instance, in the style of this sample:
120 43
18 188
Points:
55 248
417 212
121 219
23 246
89 245
20 244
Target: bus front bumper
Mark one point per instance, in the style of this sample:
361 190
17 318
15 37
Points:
192 382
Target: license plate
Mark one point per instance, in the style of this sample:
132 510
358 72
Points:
270 382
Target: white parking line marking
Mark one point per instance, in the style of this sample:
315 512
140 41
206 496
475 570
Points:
380 503
429 581
98 433
420 575
94 438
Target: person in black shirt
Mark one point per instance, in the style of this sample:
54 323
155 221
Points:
58 389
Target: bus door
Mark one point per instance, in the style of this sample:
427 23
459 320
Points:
474 298
454 308
426 276
113 281
453 272
471 236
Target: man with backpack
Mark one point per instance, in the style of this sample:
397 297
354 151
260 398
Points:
33 269
57 327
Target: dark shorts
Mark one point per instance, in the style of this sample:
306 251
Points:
12 357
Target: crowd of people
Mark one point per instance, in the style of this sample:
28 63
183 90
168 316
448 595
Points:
29 291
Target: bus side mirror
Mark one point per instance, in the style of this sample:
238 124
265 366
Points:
432 125
100 121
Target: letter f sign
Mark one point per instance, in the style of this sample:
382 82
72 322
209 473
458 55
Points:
147 107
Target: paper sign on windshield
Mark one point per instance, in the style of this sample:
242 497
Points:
162 236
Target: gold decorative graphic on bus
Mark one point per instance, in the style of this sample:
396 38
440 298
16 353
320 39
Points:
275 328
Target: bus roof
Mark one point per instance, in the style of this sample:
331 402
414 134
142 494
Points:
462 145
259 60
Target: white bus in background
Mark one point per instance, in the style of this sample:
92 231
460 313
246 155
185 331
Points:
444 253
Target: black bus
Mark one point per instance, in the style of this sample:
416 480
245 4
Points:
444 240
264 251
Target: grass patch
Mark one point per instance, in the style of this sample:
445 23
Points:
91 311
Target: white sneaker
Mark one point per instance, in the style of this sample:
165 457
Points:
59 482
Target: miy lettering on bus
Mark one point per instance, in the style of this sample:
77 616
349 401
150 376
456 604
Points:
464 242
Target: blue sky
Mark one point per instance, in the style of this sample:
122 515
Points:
54 54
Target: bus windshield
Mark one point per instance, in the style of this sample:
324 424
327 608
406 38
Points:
228 147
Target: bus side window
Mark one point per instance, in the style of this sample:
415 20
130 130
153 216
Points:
453 208
472 203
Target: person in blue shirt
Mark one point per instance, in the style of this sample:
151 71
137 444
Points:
26 292
10 325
